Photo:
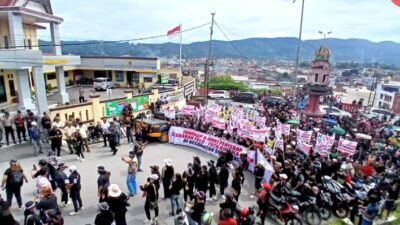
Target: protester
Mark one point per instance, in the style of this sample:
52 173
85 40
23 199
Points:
166 177
175 187
30 214
151 198
104 126
19 122
13 180
188 183
46 126
60 179
46 200
83 131
118 201
105 216
55 136
103 182
113 137
7 122
34 135
213 179
77 143
131 176
74 187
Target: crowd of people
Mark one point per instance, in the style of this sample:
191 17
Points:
372 169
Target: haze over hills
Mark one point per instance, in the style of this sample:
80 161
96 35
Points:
343 50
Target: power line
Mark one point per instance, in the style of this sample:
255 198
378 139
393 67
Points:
109 42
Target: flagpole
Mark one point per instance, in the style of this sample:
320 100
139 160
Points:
180 52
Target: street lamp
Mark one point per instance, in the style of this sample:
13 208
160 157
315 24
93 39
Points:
298 48
325 34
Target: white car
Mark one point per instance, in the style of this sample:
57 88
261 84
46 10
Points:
333 111
378 113
218 95
103 83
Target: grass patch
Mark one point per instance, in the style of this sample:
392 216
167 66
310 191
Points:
337 222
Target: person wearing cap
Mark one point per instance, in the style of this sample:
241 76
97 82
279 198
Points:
103 182
13 180
118 201
55 136
166 176
104 217
34 135
30 215
74 187
213 179
132 170
60 178
151 198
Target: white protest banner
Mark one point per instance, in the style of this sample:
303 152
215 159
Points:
347 147
207 143
269 170
169 113
218 123
303 136
188 109
260 121
306 148
285 129
324 144
278 143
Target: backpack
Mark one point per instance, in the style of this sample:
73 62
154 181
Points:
16 178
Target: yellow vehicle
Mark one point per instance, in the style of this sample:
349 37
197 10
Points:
156 128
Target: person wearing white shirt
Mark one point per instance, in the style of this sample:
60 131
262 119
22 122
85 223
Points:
69 130
104 126
83 130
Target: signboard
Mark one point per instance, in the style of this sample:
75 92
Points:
114 108
164 79
208 143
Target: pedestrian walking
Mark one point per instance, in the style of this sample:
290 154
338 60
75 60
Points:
166 176
74 187
118 129
118 201
78 144
83 130
113 137
103 182
13 179
175 188
46 126
34 135
188 180
7 122
60 178
55 137
213 179
69 131
104 126
138 148
30 214
104 217
19 122
151 202
131 176
81 95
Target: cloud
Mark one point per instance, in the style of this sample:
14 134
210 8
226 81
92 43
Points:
128 19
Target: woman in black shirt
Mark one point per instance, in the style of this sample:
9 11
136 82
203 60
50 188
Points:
118 201
175 187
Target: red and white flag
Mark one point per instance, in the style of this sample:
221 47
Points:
174 31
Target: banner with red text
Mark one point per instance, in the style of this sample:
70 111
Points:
269 170
169 113
347 147
324 144
207 143
303 136
218 123
188 109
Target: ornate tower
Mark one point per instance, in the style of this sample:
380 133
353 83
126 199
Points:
318 81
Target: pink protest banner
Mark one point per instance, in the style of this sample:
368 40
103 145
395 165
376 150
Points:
169 113
347 147
188 109
260 121
218 123
306 148
303 136
285 129
324 144
278 143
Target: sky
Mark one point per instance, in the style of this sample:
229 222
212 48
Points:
375 20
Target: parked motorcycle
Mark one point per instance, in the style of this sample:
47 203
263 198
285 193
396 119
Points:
340 198
282 209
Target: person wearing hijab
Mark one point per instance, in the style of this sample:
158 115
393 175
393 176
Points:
104 217
188 183
103 182
47 201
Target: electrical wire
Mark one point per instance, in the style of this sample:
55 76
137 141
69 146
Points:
110 42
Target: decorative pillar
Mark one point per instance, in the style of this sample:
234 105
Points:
40 89
24 91
63 96
97 109
55 38
16 37
313 106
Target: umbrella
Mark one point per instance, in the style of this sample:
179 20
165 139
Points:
331 122
363 136
293 122
338 131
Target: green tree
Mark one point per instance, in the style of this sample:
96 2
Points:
225 83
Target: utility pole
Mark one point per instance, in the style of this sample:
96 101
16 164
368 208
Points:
298 49
207 67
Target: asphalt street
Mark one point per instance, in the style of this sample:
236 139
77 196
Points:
155 153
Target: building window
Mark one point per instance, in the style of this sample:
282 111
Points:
66 74
148 79
381 96
173 76
316 77
51 76
119 76
6 44
29 44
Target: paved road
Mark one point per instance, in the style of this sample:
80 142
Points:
155 153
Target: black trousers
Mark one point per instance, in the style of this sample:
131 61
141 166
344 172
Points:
222 187
76 200
15 191
147 206
78 151
113 146
64 194
188 193
105 139
56 147
21 133
81 99
9 130
213 191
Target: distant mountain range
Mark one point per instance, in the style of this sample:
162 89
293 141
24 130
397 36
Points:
343 50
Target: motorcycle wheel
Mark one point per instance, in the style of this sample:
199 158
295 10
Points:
312 216
326 212
293 221
340 212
